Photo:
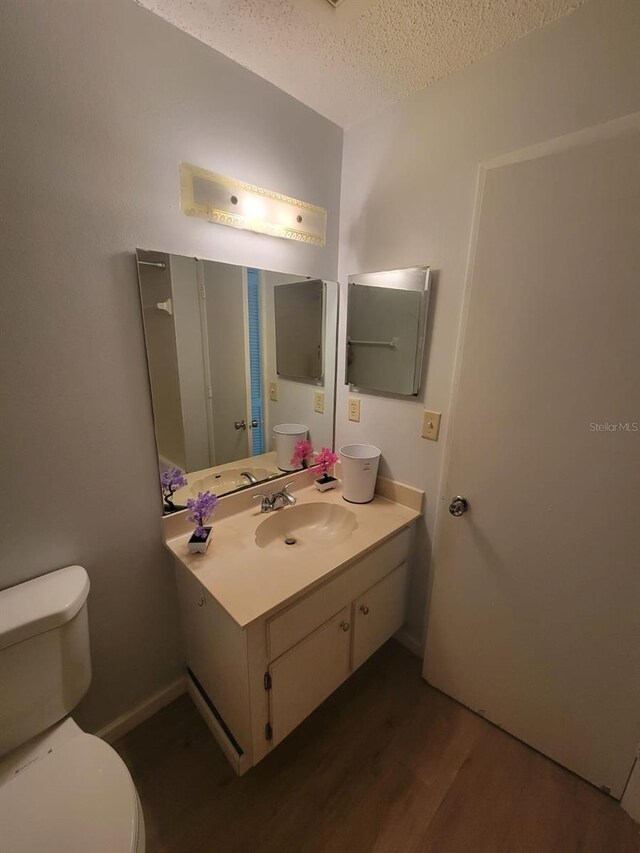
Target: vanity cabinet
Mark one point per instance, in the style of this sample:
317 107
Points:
254 684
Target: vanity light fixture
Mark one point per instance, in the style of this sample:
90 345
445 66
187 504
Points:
227 201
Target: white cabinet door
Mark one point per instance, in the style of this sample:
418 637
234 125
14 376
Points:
292 624
378 614
303 677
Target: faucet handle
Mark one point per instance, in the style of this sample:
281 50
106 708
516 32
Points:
286 496
265 506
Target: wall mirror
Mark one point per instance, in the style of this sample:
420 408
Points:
232 353
386 330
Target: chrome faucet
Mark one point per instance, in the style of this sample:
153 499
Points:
277 500
250 477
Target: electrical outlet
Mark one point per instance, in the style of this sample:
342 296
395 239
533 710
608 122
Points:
318 402
354 409
431 425
273 392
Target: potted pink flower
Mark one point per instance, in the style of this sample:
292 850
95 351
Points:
324 461
302 454
202 509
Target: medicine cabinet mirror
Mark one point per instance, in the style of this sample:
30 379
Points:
386 328
233 351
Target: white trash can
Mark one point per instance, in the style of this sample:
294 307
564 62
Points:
286 438
359 472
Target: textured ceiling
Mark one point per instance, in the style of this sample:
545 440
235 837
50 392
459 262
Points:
349 62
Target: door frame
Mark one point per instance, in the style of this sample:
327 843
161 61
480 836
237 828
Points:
247 359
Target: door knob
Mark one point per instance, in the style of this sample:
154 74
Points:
254 424
345 626
240 424
458 506
364 609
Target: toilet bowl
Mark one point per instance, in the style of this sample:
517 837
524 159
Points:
61 790
69 792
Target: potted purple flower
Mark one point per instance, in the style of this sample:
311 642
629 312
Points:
324 460
170 481
202 509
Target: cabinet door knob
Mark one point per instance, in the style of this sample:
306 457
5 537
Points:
345 626
201 601
364 609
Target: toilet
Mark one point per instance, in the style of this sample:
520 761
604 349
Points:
61 790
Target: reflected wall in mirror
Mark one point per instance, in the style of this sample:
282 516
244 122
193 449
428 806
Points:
299 320
232 353
386 330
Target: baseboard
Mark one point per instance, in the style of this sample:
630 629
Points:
413 644
130 719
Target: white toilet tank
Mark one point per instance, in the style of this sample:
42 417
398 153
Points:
45 664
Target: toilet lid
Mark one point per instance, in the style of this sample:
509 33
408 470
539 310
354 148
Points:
79 798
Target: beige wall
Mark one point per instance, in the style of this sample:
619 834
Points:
408 190
100 102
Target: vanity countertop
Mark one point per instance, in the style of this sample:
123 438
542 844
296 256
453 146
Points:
251 582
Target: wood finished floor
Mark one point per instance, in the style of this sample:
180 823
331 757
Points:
387 764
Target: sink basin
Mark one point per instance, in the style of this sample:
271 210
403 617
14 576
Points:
317 524
220 482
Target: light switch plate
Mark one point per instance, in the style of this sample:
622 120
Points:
354 409
318 402
431 425
273 392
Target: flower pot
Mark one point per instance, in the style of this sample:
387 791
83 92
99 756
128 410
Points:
199 544
323 484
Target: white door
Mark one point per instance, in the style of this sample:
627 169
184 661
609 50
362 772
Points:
535 610
225 306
